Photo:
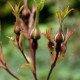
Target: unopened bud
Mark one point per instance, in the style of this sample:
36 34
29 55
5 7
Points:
35 33
17 30
26 12
59 37
51 44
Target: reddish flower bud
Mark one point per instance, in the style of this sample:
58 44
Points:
59 37
17 30
35 33
51 44
26 12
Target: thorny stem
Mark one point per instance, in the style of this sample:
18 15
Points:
11 73
33 59
52 66
22 52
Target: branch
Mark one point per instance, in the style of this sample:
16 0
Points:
33 59
21 50
11 74
52 66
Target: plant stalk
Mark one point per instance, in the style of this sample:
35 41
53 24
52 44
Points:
33 56
12 74
52 66
22 51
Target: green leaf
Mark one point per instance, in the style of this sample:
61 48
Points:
29 59
16 9
39 4
61 58
25 66
21 40
21 8
61 12
11 6
58 14
13 41
67 13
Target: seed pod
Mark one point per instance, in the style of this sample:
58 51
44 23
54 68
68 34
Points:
59 37
35 33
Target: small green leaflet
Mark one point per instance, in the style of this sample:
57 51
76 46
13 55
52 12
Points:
25 66
39 4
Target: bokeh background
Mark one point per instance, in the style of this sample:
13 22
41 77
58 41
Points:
69 68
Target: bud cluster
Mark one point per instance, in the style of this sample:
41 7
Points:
59 38
29 28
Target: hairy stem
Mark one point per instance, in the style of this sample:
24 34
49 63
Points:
52 66
12 74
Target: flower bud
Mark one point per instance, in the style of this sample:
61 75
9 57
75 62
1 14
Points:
59 37
26 12
51 44
17 30
35 33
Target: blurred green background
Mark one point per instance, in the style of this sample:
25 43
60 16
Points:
69 68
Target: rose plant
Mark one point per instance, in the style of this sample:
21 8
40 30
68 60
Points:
28 26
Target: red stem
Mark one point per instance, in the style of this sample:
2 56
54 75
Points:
12 74
35 76
52 66
23 54
22 51
33 59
